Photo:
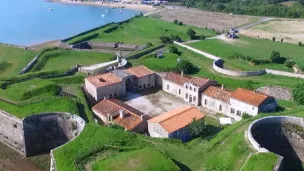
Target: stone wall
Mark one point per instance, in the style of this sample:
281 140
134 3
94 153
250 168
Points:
276 92
30 65
39 133
11 132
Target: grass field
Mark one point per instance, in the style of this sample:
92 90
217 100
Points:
140 31
13 60
61 59
266 161
137 160
257 48
291 30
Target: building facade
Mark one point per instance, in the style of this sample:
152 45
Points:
119 82
175 123
187 88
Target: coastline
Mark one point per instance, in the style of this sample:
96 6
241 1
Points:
139 7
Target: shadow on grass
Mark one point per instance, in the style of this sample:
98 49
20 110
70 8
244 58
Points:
182 166
210 131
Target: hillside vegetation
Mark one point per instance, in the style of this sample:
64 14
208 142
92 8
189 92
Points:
251 7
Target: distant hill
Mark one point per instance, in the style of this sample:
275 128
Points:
277 8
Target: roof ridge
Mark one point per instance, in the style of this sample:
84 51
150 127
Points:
188 108
112 101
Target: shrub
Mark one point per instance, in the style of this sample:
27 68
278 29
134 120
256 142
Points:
180 23
185 66
275 57
165 39
202 37
191 33
300 44
173 49
109 30
249 85
175 21
246 116
149 44
273 39
289 63
115 126
298 94
196 127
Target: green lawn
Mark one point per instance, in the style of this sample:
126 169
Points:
257 48
267 161
13 60
61 59
142 30
137 160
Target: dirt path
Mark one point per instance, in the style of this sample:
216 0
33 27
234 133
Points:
12 161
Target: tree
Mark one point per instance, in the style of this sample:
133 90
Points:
289 63
185 66
196 127
191 33
273 39
298 94
282 40
173 49
165 39
175 21
180 23
300 44
275 56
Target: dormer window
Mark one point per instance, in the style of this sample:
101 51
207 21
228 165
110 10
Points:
110 118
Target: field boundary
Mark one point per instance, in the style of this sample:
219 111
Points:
218 66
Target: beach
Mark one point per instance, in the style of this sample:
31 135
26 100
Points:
139 7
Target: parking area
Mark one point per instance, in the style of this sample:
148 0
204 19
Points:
153 102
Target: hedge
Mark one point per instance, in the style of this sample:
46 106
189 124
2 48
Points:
52 89
146 51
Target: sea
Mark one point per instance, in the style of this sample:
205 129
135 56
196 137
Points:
29 22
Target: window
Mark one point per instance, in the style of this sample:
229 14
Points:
205 101
194 98
179 91
252 108
190 88
148 85
144 85
109 118
186 87
168 87
190 98
239 113
194 89
186 95
115 94
232 110
220 108
140 87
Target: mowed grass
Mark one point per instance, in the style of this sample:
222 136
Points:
62 59
142 30
30 89
257 48
15 58
42 106
256 162
137 160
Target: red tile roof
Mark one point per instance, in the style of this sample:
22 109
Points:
140 71
131 119
103 79
218 93
178 118
249 97
178 79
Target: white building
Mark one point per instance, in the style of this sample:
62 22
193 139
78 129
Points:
174 124
185 87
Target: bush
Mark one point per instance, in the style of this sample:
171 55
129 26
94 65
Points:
300 44
180 23
185 66
298 94
173 49
275 57
289 63
165 39
246 116
196 127
202 37
109 30
191 33
175 21
149 44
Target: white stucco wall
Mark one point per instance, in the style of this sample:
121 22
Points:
243 107
214 105
173 88
157 131
190 91
91 89
149 79
105 91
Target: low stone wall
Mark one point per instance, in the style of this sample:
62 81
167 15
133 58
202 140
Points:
282 73
218 66
62 44
18 46
30 65
39 133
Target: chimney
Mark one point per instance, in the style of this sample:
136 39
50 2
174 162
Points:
222 86
182 73
121 114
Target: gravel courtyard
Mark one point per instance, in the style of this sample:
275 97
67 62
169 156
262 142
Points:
153 102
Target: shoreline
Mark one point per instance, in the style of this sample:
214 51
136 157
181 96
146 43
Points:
138 7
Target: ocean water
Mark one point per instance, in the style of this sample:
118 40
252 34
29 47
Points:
29 22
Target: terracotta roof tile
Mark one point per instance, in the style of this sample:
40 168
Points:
131 119
249 97
104 79
218 93
178 118
181 80
140 71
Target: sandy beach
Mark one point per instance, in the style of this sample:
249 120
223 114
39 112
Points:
139 7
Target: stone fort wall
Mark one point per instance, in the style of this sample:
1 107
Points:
39 133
